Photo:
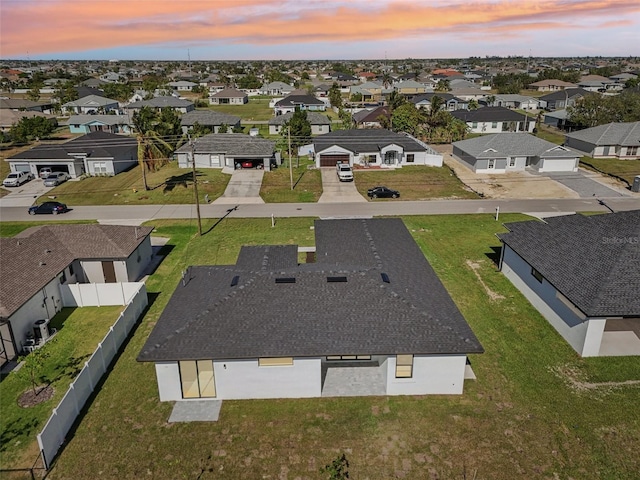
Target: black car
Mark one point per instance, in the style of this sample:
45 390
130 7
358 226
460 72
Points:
48 207
382 192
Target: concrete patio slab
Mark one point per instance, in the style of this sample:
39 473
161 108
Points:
196 411
353 381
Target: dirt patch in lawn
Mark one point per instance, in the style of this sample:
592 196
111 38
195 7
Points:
31 398
576 381
475 266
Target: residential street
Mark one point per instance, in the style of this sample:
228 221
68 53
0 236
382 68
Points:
137 214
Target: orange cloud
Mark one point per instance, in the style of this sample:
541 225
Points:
71 25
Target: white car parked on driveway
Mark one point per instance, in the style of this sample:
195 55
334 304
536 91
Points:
15 179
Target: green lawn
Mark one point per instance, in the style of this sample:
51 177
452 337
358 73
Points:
169 184
307 183
627 169
414 183
79 332
520 419
256 109
550 135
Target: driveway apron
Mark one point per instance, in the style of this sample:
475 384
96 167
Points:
244 187
335 191
580 183
25 195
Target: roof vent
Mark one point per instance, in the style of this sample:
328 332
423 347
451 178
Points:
385 277
286 280
47 250
336 279
42 264
234 280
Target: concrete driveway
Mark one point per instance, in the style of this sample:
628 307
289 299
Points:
25 195
335 191
244 187
586 184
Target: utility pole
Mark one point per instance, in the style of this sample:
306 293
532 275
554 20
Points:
195 183
290 165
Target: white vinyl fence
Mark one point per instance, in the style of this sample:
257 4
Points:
64 415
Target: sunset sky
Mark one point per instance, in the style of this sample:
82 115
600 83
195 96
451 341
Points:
314 29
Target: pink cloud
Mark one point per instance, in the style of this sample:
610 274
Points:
71 25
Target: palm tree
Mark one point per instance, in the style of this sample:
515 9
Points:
153 150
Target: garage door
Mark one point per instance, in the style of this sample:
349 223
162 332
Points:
331 160
22 167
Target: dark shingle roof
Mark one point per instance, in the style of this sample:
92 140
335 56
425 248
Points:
490 114
234 144
594 261
563 94
33 258
162 102
207 317
366 140
94 145
293 100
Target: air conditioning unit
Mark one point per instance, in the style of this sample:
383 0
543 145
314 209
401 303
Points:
41 330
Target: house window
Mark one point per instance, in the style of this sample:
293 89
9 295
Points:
100 167
371 159
536 274
63 277
196 379
275 361
404 366
494 124
411 158
492 163
348 357
474 125
632 150
71 269
512 162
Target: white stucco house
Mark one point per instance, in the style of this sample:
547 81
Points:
269 327
495 120
373 147
233 150
39 261
582 273
320 124
510 152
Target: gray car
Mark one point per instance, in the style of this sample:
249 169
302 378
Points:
55 178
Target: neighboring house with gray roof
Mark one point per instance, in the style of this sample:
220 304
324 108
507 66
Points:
158 103
613 140
90 104
209 119
508 152
275 89
373 147
451 102
229 96
495 120
562 99
303 102
582 273
320 124
520 102
35 263
97 153
99 123
270 327
8 118
219 150
182 85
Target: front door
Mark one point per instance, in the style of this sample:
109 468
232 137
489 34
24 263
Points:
109 272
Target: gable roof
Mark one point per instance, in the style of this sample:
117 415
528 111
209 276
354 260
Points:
594 260
563 94
293 100
371 114
314 118
233 144
33 258
91 101
623 134
104 119
229 93
209 317
93 145
367 140
513 144
208 117
9 117
447 97
490 114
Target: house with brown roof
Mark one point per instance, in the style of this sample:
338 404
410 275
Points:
551 85
37 263
229 96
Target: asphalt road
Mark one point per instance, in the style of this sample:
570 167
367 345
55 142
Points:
131 214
